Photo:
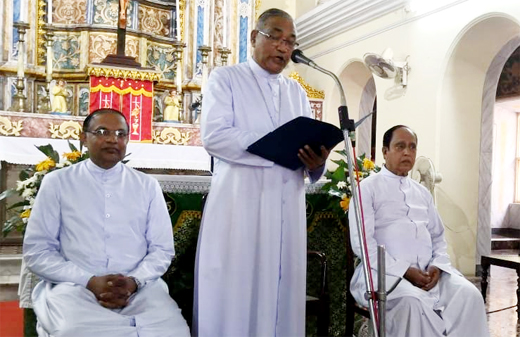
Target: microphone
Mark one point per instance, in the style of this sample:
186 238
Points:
298 57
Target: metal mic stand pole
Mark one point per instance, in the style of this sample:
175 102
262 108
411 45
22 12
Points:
348 128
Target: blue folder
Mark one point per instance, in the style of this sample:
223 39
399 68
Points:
281 145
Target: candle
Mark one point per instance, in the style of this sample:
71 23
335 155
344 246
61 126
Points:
20 72
49 62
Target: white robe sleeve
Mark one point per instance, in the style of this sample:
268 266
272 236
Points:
220 137
394 266
440 257
159 237
41 245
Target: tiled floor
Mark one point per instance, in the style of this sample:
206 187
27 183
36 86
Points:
502 294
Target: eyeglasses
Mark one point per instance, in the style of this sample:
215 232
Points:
106 133
278 40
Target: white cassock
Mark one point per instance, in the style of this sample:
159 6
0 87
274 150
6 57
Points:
399 213
251 258
90 221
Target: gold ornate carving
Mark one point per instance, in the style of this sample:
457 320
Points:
182 15
8 128
142 75
311 92
258 3
154 20
171 136
105 43
40 39
65 130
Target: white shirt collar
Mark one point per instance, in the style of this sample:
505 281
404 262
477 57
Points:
390 174
261 72
101 172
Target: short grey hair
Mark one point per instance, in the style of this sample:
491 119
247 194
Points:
270 13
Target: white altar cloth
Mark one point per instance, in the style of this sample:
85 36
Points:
22 150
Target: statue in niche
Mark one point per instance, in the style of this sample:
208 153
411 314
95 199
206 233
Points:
171 112
59 97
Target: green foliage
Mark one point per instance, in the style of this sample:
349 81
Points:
338 188
30 181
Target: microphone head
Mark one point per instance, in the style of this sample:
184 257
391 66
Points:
295 54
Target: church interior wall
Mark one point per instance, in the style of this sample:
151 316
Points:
504 162
449 56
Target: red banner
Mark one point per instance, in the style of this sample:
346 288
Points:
133 97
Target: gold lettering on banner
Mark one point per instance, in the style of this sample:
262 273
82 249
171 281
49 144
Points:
8 128
171 136
65 130
135 115
311 92
185 215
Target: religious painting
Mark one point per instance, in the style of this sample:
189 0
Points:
41 97
66 50
162 59
83 99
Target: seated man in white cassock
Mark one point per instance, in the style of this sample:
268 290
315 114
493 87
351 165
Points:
100 238
432 298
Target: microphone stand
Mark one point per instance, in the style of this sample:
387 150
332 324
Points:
348 129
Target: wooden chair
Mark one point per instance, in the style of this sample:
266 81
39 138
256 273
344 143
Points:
319 305
352 306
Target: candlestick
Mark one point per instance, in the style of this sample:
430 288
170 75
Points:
21 27
19 100
204 50
224 54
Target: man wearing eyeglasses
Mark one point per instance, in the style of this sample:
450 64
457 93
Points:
251 258
100 238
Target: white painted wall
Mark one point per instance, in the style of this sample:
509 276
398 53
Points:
504 160
450 51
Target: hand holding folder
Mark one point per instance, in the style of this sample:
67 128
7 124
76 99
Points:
281 145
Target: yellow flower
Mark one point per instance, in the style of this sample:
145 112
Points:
345 201
71 156
25 214
368 164
45 165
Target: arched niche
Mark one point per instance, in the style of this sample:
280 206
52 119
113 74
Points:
360 93
465 133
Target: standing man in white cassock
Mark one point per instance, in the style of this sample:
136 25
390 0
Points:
100 238
251 259
432 299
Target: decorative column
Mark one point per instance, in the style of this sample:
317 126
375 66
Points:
204 50
224 54
19 100
46 101
178 49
